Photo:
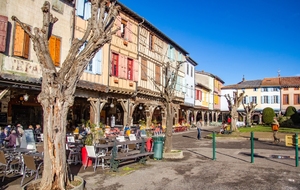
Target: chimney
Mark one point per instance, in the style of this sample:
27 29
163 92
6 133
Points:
243 78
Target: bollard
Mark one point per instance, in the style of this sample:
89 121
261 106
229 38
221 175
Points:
252 147
296 150
214 145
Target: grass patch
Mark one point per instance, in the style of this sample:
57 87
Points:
264 128
175 151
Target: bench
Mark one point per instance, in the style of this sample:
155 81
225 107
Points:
140 156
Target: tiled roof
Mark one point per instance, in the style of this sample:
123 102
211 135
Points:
244 84
290 81
271 82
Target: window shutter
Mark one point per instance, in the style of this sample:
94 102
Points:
126 37
3 31
57 52
87 10
125 66
80 8
121 66
19 41
200 95
97 62
118 23
169 52
157 74
136 70
129 26
26 44
262 99
52 47
144 69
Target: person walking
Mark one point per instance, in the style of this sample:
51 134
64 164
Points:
275 128
199 126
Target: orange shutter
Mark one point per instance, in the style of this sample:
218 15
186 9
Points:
52 47
19 40
26 44
57 52
3 31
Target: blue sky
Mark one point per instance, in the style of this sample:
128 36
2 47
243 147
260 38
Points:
231 38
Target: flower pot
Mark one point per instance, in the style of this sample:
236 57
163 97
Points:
84 158
80 186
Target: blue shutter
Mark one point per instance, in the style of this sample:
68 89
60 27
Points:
97 62
80 8
87 10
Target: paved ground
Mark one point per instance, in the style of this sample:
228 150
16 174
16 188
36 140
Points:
232 168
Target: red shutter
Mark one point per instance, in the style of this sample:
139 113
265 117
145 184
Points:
121 67
125 66
3 31
136 70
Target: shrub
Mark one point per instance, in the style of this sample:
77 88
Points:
291 110
295 118
268 115
287 123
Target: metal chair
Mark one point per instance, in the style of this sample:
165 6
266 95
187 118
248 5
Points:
7 162
30 165
98 157
74 156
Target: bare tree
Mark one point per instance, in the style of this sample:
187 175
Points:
58 87
249 108
233 104
167 93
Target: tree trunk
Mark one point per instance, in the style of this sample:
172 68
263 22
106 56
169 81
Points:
54 124
169 127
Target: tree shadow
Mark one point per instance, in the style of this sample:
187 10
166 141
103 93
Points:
186 136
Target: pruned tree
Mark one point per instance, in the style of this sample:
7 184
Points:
249 108
167 93
233 104
58 87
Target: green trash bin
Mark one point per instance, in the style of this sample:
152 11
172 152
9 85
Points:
158 146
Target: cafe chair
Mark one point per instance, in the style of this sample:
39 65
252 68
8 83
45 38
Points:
74 156
31 166
98 157
7 162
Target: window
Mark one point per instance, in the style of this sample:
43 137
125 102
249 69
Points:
296 98
54 48
192 71
21 42
264 100
285 89
83 9
254 99
244 100
129 69
264 89
3 31
296 88
157 74
275 89
123 29
151 42
144 69
171 52
115 64
255 89
275 99
95 65
187 69
198 95
285 99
